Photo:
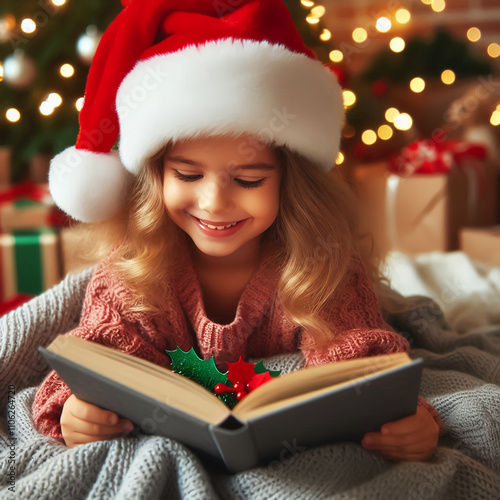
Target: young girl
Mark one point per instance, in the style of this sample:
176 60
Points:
230 236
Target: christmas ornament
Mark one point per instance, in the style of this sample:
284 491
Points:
19 70
87 44
231 387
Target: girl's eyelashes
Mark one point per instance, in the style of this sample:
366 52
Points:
186 178
250 184
245 184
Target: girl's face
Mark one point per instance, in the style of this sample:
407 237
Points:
223 192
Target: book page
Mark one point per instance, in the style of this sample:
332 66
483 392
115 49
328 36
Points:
143 376
305 383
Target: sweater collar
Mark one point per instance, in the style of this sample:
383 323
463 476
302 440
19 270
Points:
254 304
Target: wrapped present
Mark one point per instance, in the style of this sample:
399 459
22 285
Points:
481 244
418 201
28 206
71 250
13 303
5 156
29 262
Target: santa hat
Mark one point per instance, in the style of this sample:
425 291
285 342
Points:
174 69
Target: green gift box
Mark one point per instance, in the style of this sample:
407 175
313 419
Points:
30 262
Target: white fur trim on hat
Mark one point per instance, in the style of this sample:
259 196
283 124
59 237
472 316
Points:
230 86
88 186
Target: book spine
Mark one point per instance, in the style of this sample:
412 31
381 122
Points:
235 444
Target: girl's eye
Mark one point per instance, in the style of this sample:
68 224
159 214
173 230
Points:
186 178
195 177
250 184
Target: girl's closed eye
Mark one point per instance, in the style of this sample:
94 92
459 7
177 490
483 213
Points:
241 182
250 184
186 177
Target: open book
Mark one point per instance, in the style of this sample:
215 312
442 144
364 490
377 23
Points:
302 409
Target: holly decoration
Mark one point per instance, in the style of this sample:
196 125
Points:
232 386
244 378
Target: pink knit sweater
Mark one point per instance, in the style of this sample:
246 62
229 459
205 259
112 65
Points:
106 319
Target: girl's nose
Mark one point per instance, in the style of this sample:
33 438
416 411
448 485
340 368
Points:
214 198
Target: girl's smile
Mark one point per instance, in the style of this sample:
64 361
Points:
219 229
219 198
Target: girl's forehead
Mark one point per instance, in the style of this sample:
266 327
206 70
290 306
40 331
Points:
242 148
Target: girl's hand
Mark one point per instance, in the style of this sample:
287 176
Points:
85 423
411 438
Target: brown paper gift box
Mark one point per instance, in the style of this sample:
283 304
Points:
72 262
419 213
482 244
5 155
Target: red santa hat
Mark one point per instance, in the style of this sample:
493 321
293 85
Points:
174 69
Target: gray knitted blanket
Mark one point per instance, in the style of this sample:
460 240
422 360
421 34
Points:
461 379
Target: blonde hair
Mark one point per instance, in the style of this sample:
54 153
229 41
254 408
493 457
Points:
311 241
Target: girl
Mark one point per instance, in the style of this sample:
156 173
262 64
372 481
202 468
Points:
230 236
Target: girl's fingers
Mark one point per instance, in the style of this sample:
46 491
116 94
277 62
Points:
90 413
92 429
377 439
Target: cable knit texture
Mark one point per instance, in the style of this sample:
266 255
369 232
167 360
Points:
461 378
353 313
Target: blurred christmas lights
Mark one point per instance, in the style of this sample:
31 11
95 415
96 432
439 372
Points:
448 77
403 16
349 98
79 104
385 132
397 44
403 121
67 71
391 114
336 56
369 137
28 25
473 34
438 5
417 85
13 115
359 35
383 24
493 50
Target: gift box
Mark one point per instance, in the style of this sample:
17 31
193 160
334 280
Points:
29 262
71 251
481 244
5 156
28 206
422 209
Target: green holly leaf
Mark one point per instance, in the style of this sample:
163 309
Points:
260 368
203 372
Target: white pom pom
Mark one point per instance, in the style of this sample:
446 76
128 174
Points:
88 186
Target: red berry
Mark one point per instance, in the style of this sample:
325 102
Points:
239 387
222 389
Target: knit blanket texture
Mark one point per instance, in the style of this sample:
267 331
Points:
461 378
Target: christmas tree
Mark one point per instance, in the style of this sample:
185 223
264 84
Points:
46 47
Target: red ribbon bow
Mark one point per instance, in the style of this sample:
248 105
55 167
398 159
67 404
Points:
425 156
27 189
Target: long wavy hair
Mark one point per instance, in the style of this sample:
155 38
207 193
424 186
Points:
311 241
